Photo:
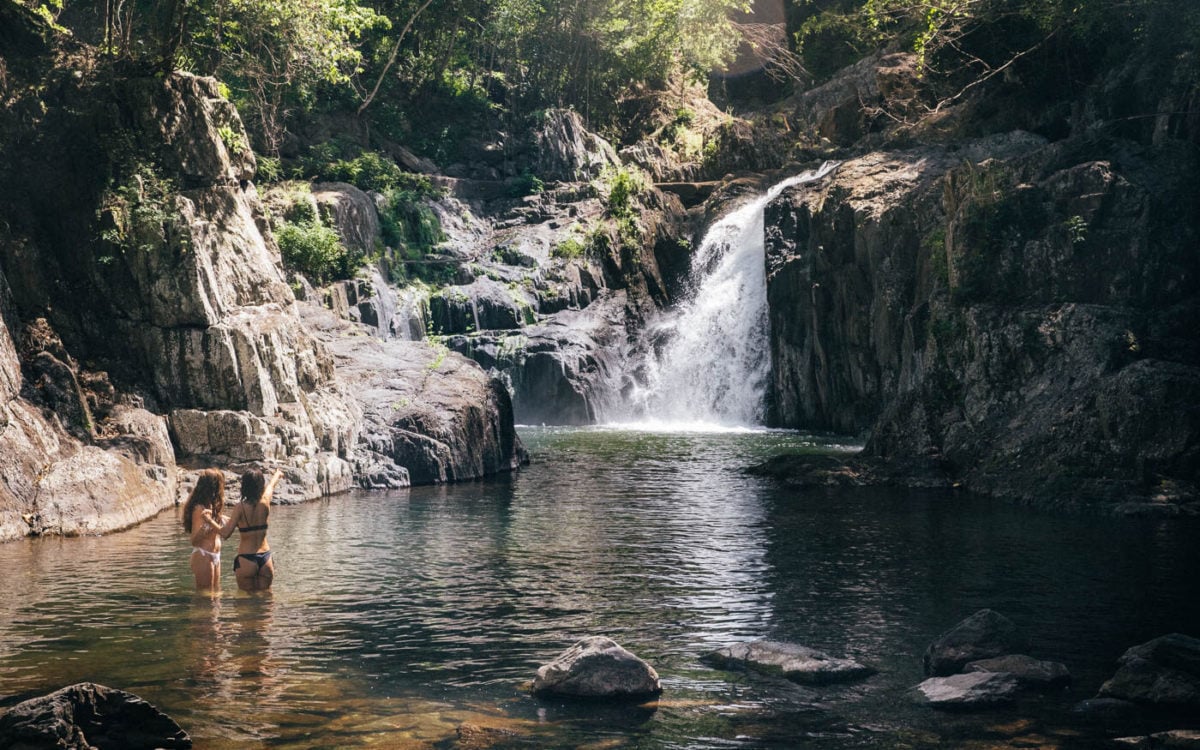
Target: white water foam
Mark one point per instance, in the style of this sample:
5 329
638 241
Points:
707 362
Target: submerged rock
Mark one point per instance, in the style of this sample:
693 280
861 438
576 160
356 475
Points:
597 667
1175 739
983 635
966 691
88 716
793 661
1164 671
1029 672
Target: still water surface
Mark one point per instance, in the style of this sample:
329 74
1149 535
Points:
397 617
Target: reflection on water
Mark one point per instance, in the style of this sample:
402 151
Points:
397 617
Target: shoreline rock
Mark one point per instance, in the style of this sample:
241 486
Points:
87 715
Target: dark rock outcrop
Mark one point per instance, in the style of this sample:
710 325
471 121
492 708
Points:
597 667
1010 311
87 716
1163 672
793 661
983 635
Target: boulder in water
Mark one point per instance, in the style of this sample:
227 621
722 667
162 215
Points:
966 691
597 667
793 661
983 635
1175 739
1029 672
87 716
1164 671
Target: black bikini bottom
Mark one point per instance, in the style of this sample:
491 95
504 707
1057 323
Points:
258 558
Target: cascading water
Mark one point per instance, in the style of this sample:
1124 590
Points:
707 362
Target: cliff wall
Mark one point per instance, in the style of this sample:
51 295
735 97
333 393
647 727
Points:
147 321
1016 316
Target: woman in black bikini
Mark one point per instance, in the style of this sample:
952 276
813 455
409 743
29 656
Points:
253 567
201 513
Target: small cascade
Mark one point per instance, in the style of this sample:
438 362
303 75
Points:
707 362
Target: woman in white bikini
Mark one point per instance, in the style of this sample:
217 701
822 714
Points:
253 567
202 519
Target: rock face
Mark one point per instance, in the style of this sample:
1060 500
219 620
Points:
429 415
87 716
134 241
567 151
968 691
1164 671
1013 311
596 667
790 660
983 635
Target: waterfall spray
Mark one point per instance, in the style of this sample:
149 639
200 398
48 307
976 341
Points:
708 363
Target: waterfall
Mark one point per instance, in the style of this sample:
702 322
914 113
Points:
706 363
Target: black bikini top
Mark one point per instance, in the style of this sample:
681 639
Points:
261 527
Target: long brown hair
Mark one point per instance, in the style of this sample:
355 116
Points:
209 492
253 485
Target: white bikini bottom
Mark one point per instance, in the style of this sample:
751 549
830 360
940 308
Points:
214 557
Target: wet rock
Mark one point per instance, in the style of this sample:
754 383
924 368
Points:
1029 672
88 716
597 667
482 305
983 635
1164 671
793 661
1107 710
1175 739
967 691
475 737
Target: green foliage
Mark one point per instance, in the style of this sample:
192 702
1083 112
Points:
316 251
831 39
1076 228
139 214
234 142
269 171
569 249
527 183
366 170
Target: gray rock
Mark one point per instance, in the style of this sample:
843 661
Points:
793 661
1164 671
350 212
983 635
967 691
1175 739
87 716
429 415
597 667
1029 672
567 151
